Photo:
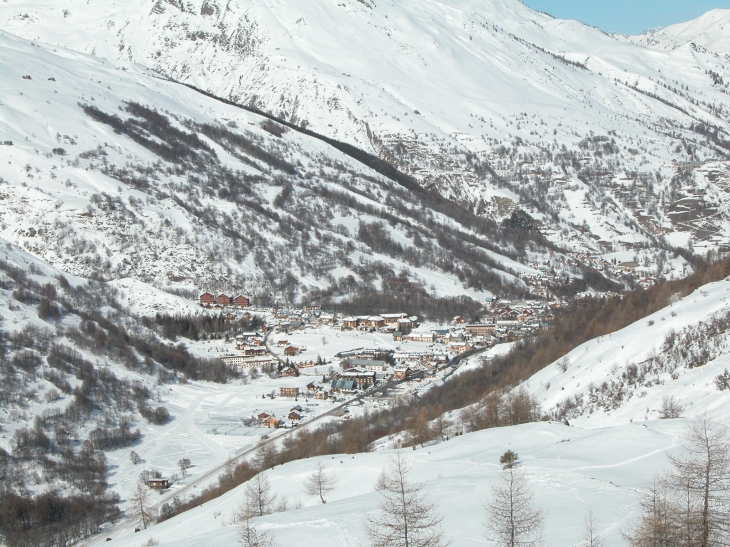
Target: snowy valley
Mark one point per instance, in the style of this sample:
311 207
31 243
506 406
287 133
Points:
253 241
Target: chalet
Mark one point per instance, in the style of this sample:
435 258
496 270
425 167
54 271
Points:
207 299
343 386
313 307
294 417
292 350
297 408
525 316
459 320
391 319
349 322
403 356
362 379
422 336
372 322
258 361
253 350
290 372
327 318
402 372
372 365
242 301
322 395
270 422
480 329
442 335
397 336
261 417
282 343
427 358
288 391
460 347
406 323
312 387
233 360
224 300
507 314
159 484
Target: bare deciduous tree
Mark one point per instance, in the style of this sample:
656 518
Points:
184 464
442 424
319 483
260 500
407 518
702 474
250 535
141 505
134 457
512 519
690 505
591 535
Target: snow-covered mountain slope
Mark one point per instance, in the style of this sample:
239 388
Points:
711 31
120 175
570 468
677 352
465 95
61 390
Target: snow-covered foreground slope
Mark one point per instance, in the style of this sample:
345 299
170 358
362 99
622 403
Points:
571 469
120 175
465 95
623 377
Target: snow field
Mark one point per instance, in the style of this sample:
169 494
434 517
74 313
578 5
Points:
571 469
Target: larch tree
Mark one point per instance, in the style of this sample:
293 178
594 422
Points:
701 475
689 506
320 483
512 518
591 535
141 504
407 517
251 535
260 500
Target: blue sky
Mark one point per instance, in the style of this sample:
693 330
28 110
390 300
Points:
627 16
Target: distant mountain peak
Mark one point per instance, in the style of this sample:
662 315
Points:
711 30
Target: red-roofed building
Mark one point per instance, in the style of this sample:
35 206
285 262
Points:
242 301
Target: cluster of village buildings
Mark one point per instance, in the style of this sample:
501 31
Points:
556 271
359 369
210 301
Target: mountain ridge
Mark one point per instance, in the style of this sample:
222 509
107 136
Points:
379 77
